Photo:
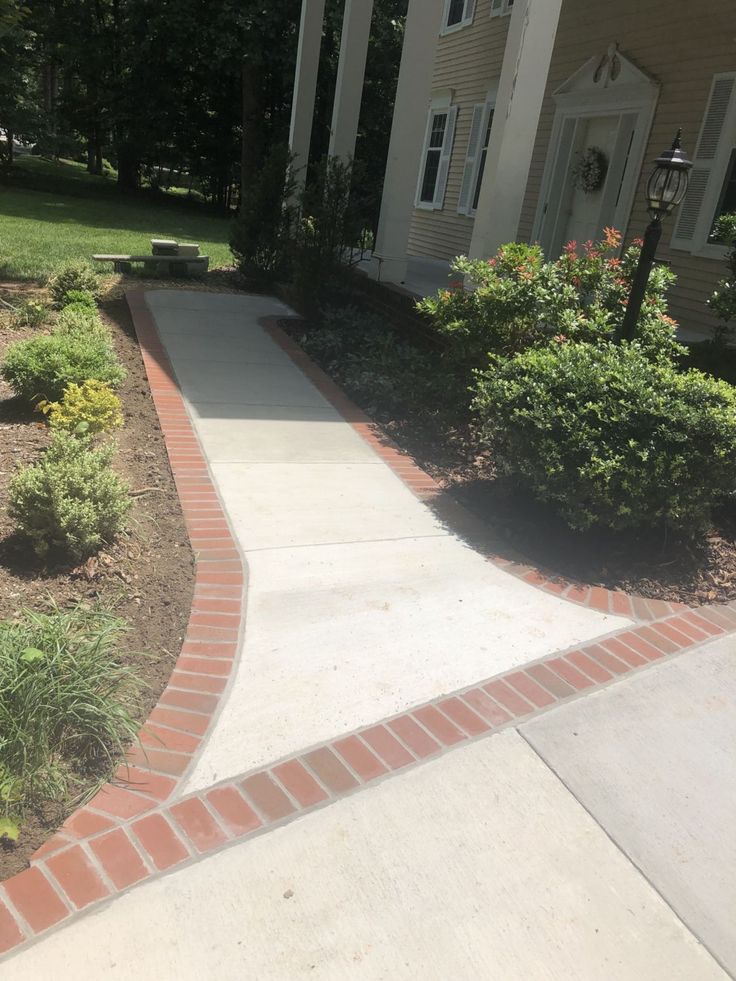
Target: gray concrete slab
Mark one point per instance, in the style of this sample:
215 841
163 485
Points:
240 345
207 382
271 434
340 636
477 867
654 760
277 505
247 305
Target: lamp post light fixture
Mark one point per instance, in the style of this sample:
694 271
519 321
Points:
666 188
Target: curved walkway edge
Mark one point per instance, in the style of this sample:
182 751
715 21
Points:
141 826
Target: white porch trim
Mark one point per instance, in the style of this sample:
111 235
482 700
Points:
356 28
521 90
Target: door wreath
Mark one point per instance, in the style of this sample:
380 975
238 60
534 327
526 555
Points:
590 170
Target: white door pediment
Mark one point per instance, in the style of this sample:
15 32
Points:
606 78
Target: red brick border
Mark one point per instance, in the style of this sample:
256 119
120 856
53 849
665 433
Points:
62 876
131 832
100 858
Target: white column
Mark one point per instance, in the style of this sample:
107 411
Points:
305 81
520 93
423 23
356 29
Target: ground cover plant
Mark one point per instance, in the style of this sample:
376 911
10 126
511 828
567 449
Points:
67 706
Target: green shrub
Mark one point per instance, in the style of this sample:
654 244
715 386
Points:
85 410
329 228
31 313
260 237
79 298
77 274
610 438
519 301
42 367
82 321
65 704
71 499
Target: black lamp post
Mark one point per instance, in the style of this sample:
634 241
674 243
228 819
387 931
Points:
666 187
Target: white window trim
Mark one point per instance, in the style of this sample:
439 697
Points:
487 107
699 244
501 8
467 18
441 102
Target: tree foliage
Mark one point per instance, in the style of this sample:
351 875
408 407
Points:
179 91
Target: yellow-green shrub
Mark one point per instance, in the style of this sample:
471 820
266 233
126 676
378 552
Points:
85 409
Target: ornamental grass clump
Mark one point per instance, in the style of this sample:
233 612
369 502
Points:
71 500
609 438
67 705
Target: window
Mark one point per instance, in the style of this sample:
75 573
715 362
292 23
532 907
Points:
436 155
501 7
432 156
475 159
727 200
458 13
482 164
712 189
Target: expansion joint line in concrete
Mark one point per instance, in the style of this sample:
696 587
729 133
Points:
140 826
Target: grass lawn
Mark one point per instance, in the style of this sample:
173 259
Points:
39 230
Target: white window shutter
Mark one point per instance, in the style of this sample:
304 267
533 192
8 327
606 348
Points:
690 214
444 168
474 145
423 163
496 8
469 11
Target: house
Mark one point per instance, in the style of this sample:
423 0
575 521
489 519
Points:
499 100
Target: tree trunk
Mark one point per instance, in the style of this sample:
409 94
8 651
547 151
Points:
252 143
129 167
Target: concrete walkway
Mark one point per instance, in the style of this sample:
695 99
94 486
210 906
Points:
590 842
360 602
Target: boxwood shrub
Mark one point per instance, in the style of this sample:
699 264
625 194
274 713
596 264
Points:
610 438
71 500
77 274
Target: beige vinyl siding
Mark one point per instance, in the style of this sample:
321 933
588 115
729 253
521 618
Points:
681 45
467 61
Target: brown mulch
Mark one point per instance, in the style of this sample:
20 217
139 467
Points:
654 565
147 577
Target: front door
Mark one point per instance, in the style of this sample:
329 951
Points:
575 213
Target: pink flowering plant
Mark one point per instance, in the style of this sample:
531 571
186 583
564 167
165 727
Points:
516 300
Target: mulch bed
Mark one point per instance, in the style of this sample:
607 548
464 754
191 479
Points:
652 565
147 577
